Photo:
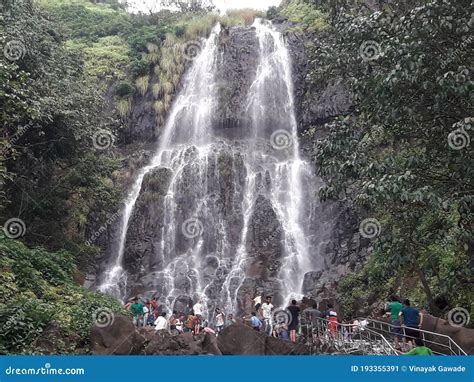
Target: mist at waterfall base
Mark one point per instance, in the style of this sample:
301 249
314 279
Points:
221 214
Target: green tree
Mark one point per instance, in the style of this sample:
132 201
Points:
404 153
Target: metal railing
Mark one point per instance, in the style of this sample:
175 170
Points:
346 338
440 344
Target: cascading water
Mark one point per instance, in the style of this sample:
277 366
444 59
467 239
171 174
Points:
220 218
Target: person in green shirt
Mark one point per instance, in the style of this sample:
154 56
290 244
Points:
419 349
137 311
393 308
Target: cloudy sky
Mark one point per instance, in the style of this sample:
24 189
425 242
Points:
233 4
223 5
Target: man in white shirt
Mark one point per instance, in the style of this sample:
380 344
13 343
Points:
197 308
161 323
146 313
267 308
257 303
220 320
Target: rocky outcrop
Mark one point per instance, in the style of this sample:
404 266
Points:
464 337
240 339
345 251
239 58
163 343
147 222
121 337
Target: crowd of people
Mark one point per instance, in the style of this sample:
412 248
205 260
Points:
148 315
405 323
285 323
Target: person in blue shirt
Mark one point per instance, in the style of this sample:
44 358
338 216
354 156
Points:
255 322
412 320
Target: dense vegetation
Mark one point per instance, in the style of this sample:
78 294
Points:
402 155
37 287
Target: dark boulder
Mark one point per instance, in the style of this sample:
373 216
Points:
240 339
164 343
121 337
464 337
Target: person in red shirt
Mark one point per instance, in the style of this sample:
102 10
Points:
154 307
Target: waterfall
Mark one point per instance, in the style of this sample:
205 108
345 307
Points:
224 217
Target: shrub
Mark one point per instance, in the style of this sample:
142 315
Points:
123 89
37 288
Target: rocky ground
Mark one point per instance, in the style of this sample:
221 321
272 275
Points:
123 338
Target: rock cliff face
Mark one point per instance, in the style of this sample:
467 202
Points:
346 251
220 179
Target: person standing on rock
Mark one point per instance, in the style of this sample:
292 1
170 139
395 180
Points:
146 313
230 320
173 320
161 322
191 322
257 302
294 323
255 322
154 307
137 311
220 320
267 308
198 310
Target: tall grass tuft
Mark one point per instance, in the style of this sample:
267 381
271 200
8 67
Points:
158 89
123 107
159 107
142 84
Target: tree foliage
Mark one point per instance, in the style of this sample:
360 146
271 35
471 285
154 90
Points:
403 154
37 288
50 114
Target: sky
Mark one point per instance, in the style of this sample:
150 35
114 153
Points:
233 4
223 5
